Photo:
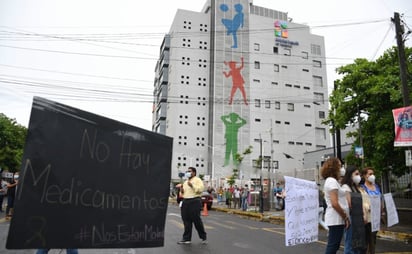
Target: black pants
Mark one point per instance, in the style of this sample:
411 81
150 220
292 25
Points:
191 215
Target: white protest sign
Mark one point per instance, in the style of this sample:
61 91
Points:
375 212
301 211
391 210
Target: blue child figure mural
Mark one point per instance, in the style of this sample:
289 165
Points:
232 25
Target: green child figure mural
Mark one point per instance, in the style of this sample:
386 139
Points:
233 122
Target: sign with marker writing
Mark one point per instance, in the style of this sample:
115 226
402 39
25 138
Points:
392 213
87 181
301 211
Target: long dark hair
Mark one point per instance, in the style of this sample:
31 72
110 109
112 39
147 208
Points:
347 178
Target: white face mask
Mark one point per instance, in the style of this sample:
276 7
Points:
372 178
342 171
188 174
356 179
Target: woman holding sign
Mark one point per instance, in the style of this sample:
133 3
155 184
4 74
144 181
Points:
373 190
358 201
337 210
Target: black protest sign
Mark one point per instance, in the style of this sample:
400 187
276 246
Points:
89 182
357 221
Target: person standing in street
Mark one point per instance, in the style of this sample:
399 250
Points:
11 193
356 196
3 192
191 206
337 210
236 197
372 189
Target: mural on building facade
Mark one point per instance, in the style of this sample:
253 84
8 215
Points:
233 123
237 79
233 25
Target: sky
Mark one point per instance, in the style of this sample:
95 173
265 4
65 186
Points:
100 55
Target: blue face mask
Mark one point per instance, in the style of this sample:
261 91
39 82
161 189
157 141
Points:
188 174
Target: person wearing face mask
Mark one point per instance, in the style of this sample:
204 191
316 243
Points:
191 191
11 193
337 210
371 189
357 200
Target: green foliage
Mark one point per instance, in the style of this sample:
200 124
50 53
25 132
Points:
239 158
12 138
372 88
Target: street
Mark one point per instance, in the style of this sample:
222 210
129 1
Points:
227 233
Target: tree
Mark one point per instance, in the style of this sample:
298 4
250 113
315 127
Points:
12 138
371 89
235 172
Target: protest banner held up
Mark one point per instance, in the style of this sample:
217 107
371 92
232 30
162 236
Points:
87 181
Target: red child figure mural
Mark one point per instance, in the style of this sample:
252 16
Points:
237 79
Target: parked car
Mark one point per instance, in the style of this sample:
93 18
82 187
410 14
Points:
207 198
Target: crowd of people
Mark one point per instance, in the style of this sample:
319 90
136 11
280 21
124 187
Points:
348 207
238 196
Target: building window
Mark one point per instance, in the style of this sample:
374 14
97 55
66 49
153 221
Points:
305 55
308 144
317 63
275 50
256 81
276 67
267 104
305 70
291 107
287 123
277 104
317 81
257 120
319 97
275 83
308 125
299 143
256 47
321 114
186 60
321 133
288 85
306 88
315 49
291 143
307 106
257 103
257 65
287 52
284 67
296 86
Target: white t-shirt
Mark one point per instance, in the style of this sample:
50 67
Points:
331 216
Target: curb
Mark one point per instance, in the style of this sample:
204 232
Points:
280 220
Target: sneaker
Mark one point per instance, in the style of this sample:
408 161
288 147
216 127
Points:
184 242
204 241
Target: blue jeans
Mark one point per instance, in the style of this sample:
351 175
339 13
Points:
244 203
334 238
348 242
68 251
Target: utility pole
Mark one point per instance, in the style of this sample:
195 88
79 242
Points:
402 60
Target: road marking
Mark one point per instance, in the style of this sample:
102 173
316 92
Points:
242 225
179 224
222 225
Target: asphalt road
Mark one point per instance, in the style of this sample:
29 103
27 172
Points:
227 233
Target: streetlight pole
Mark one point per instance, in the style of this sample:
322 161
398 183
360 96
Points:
261 172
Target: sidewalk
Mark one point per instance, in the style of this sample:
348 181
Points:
398 232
